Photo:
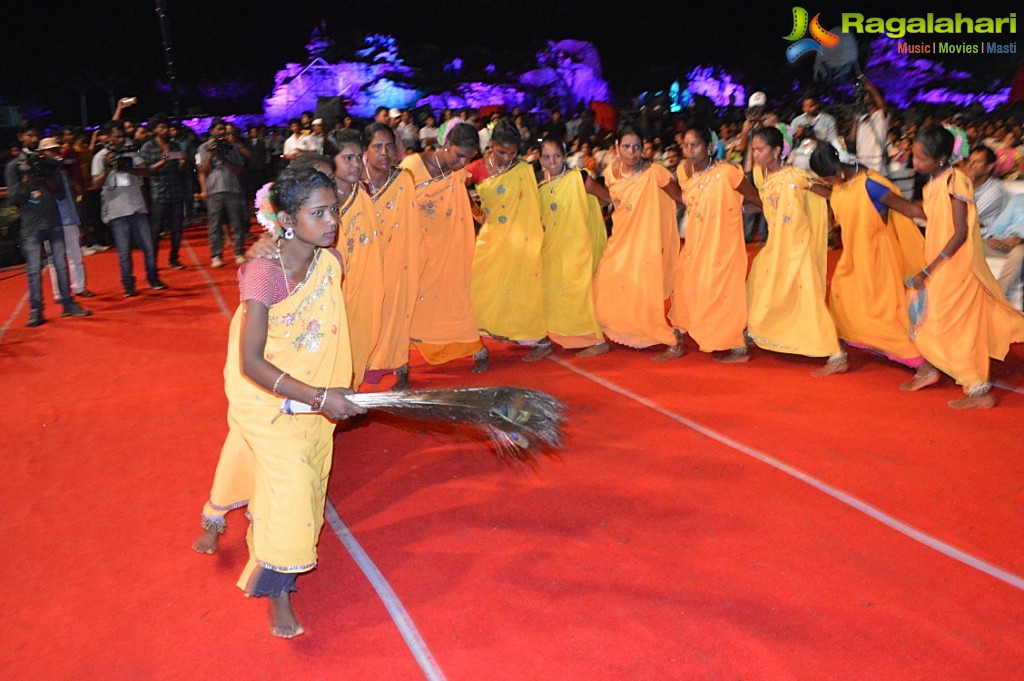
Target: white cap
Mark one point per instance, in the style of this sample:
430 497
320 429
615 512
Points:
395 113
757 99
318 121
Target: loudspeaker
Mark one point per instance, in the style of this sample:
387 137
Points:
330 110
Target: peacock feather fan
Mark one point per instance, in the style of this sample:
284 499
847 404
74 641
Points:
521 423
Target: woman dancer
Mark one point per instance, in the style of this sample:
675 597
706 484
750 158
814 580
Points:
709 299
288 339
392 191
635 275
359 244
967 318
786 309
506 291
881 247
443 326
573 231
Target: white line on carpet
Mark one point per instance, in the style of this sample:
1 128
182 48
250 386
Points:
206 277
1011 388
14 313
850 500
387 596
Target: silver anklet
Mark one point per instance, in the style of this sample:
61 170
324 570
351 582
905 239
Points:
979 390
211 525
839 358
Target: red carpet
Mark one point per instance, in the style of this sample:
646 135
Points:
649 550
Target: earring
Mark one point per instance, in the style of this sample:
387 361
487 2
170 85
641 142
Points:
289 233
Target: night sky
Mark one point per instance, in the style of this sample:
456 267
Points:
642 44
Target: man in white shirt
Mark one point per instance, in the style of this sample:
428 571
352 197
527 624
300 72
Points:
296 142
872 129
406 129
428 134
315 139
991 198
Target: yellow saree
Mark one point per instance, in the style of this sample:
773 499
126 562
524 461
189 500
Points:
709 299
363 286
635 275
786 309
568 262
284 463
868 299
597 229
508 300
968 319
443 326
399 237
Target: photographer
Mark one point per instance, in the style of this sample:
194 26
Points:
755 227
34 187
220 167
872 128
116 169
51 149
809 128
166 161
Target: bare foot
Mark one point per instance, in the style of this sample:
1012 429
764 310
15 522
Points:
730 357
921 380
403 379
985 401
829 369
207 541
283 622
673 352
539 352
481 363
595 350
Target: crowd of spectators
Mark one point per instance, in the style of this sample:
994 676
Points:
183 175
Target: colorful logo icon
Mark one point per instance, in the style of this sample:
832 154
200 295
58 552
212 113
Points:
801 45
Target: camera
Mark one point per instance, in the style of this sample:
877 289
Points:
41 165
222 146
122 155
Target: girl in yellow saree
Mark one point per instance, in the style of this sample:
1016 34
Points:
570 229
709 295
359 244
288 339
507 294
966 319
881 247
786 309
634 278
443 326
398 233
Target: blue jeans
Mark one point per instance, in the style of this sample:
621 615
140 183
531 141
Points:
125 229
171 216
32 249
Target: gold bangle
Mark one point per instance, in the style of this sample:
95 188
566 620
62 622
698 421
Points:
278 381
